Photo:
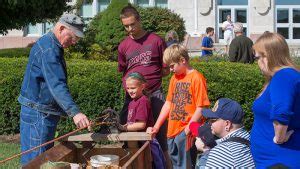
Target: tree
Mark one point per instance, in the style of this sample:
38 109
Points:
15 14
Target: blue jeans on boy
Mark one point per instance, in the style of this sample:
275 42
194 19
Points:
181 159
36 128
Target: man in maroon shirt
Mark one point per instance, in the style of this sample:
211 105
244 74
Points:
142 52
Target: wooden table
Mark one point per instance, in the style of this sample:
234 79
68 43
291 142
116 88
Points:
68 151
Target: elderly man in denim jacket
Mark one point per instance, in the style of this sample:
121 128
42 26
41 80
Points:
45 95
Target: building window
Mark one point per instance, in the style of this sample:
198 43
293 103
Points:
33 29
223 15
287 2
102 5
296 15
161 3
288 21
284 32
241 15
238 13
232 2
283 16
143 3
86 10
296 33
39 29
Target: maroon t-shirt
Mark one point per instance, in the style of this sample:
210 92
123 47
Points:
140 110
145 56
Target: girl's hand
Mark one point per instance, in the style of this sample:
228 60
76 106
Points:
122 127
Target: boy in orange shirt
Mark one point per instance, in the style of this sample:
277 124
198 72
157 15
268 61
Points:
187 95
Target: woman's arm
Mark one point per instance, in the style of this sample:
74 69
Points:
281 133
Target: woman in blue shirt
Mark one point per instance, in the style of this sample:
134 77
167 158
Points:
275 135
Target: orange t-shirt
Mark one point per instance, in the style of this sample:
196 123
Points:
185 93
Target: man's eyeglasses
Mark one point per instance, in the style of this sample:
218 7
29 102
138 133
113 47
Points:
73 36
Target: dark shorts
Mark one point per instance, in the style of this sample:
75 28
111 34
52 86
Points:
157 99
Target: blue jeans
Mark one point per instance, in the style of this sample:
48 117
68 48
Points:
36 128
201 160
181 159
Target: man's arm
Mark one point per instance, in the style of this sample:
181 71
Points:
233 52
121 60
56 81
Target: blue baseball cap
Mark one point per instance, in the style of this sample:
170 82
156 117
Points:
226 109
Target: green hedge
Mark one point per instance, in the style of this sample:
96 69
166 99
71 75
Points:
97 85
15 52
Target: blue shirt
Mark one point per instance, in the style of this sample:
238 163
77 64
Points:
281 102
44 86
208 43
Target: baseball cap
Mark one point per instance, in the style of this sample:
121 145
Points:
238 27
204 132
73 22
226 109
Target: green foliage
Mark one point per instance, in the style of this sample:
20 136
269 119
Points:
96 86
17 14
106 30
15 52
162 20
7 150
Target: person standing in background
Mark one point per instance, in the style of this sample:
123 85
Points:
240 49
207 45
227 27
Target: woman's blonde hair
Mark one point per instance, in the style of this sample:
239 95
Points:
174 53
274 47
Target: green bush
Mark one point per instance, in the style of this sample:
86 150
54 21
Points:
15 52
97 85
106 29
162 20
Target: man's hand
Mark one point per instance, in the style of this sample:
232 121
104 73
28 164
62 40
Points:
81 121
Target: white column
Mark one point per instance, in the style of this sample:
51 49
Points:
196 17
132 1
151 3
95 7
262 17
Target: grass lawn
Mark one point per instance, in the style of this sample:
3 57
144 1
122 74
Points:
7 150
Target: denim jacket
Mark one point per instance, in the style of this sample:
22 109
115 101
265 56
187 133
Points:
44 85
